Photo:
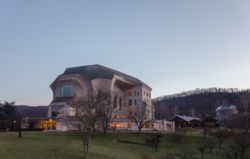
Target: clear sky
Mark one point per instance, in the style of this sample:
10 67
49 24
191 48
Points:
172 45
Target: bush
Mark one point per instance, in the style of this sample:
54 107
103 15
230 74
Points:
153 140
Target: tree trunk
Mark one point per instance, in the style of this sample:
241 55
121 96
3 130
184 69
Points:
220 143
201 155
105 128
19 132
86 141
139 130
104 131
205 133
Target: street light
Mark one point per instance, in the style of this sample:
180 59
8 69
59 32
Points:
14 122
50 120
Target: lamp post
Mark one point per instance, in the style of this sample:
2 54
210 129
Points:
50 120
14 122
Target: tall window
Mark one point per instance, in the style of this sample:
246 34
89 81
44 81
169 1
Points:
120 103
130 102
129 93
67 91
115 102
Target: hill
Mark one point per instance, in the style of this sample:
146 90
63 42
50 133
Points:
32 111
200 102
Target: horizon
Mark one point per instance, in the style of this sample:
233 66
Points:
171 46
154 98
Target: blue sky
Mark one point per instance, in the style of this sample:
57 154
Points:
172 45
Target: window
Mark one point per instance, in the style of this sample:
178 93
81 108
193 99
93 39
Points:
112 125
135 102
129 93
67 91
129 125
135 93
149 112
115 102
130 112
120 103
130 102
147 125
119 125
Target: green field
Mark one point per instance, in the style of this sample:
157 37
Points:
48 145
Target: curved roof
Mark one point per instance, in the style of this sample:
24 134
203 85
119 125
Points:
91 72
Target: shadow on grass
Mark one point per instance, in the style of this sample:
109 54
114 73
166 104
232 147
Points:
130 142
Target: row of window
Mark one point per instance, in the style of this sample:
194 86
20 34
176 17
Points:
68 91
127 125
133 102
136 93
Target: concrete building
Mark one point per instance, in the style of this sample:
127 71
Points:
125 90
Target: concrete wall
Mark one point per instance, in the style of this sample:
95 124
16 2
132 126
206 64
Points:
123 89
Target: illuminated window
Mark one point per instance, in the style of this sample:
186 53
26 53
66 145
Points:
147 125
112 125
119 125
129 125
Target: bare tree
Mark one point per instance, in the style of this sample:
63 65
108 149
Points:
220 135
175 138
153 140
186 153
106 109
87 116
202 147
240 138
8 114
140 115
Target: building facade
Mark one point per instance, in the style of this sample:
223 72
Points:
76 82
182 121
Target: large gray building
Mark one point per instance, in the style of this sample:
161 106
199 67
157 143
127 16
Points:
76 82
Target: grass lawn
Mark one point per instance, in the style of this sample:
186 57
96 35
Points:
49 145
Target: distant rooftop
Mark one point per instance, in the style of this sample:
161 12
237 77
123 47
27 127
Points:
186 118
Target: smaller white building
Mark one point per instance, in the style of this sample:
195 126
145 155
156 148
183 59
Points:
164 125
224 112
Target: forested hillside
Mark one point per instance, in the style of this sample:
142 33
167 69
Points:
200 102
32 111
